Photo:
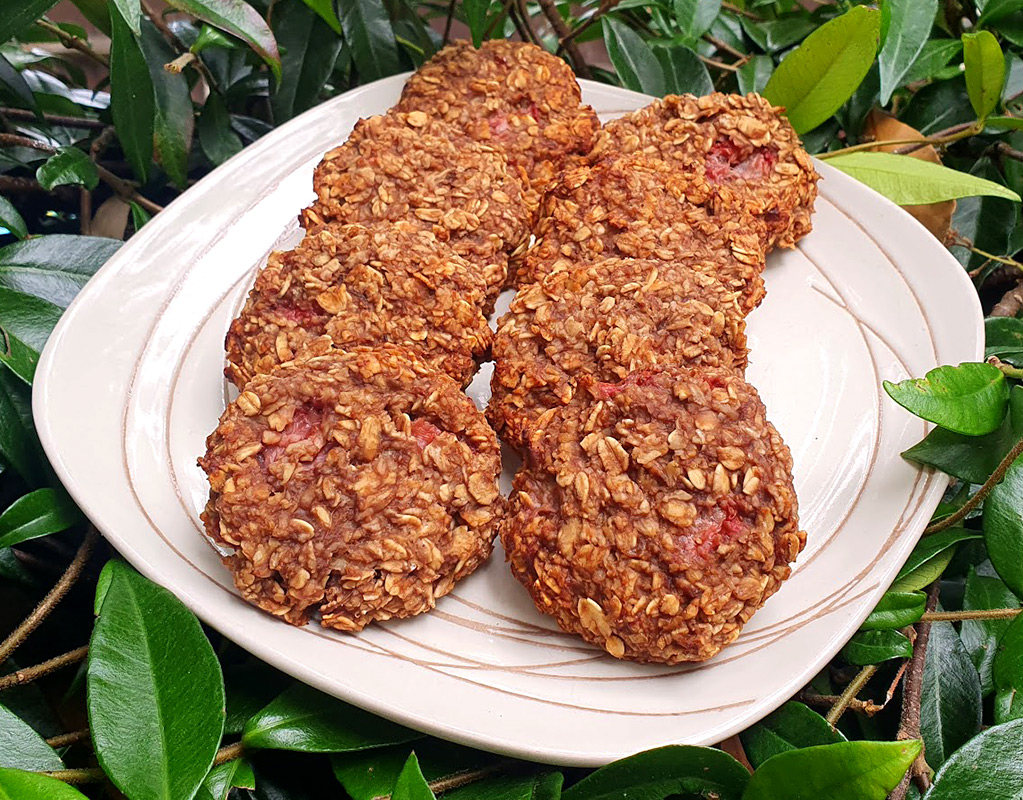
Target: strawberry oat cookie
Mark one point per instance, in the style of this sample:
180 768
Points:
639 206
605 320
412 167
656 520
751 155
359 484
515 96
363 284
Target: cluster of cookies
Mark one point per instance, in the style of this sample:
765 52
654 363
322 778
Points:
353 480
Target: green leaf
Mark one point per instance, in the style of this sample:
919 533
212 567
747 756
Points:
155 691
910 181
1003 527
476 18
909 27
980 636
932 60
895 610
754 74
239 19
695 17
222 779
18 785
368 33
411 785
132 102
29 318
325 10
131 13
310 52
309 721
971 458
987 222
174 119
19 14
683 71
675 769
11 219
950 703
19 445
969 399
54 267
929 559
791 727
17 356
985 71
15 81
633 60
1008 673
842 771
69 166
986 767
13 571
875 647
212 38
96 12
216 138
822 73
23 748
542 786
938 106
1003 337
777 34
36 514
994 10
139 216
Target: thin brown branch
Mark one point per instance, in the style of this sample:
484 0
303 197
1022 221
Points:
55 119
722 45
946 136
828 700
1002 149
742 12
550 10
498 19
9 185
229 753
84 211
980 613
448 21
1011 303
853 689
589 22
66 739
520 18
53 597
996 477
91 775
29 674
721 65
73 42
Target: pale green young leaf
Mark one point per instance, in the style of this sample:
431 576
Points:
985 71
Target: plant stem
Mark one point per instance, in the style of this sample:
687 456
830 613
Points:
980 613
73 42
459 779
1007 370
53 597
593 19
448 21
56 119
91 775
710 62
947 136
742 12
853 689
996 478
229 753
721 45
550 10
828 700
29 674
65 739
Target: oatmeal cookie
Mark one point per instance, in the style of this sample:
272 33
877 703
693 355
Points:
514 96
360 484
752 156
656 521
410 166
606 320
363 285
642 207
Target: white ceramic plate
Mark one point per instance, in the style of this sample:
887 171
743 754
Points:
130 384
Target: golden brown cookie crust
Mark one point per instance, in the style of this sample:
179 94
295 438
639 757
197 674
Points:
655 522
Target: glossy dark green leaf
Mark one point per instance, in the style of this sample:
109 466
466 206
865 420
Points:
239 19
19 445
131 13
876 647
155 690
38 513
310 721
11 219
17 356
411 785
132 101
16 83
994 10
310 52
29 318
211 38
54 267
971 458
1003 527
19 14
18 785
695 17
633 59
909 27
325 10
96 12
988 766
950 703
1008 673
985 71
777 34
938 106
895 610
13 571
222 779
684 73
932 60
843 771
368 33
754 74
476 18
173 121
675 769
791 727
216 138
1003 336
69 166
817 77
987 222
929 558
543 786
23 748
969 399
980 636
